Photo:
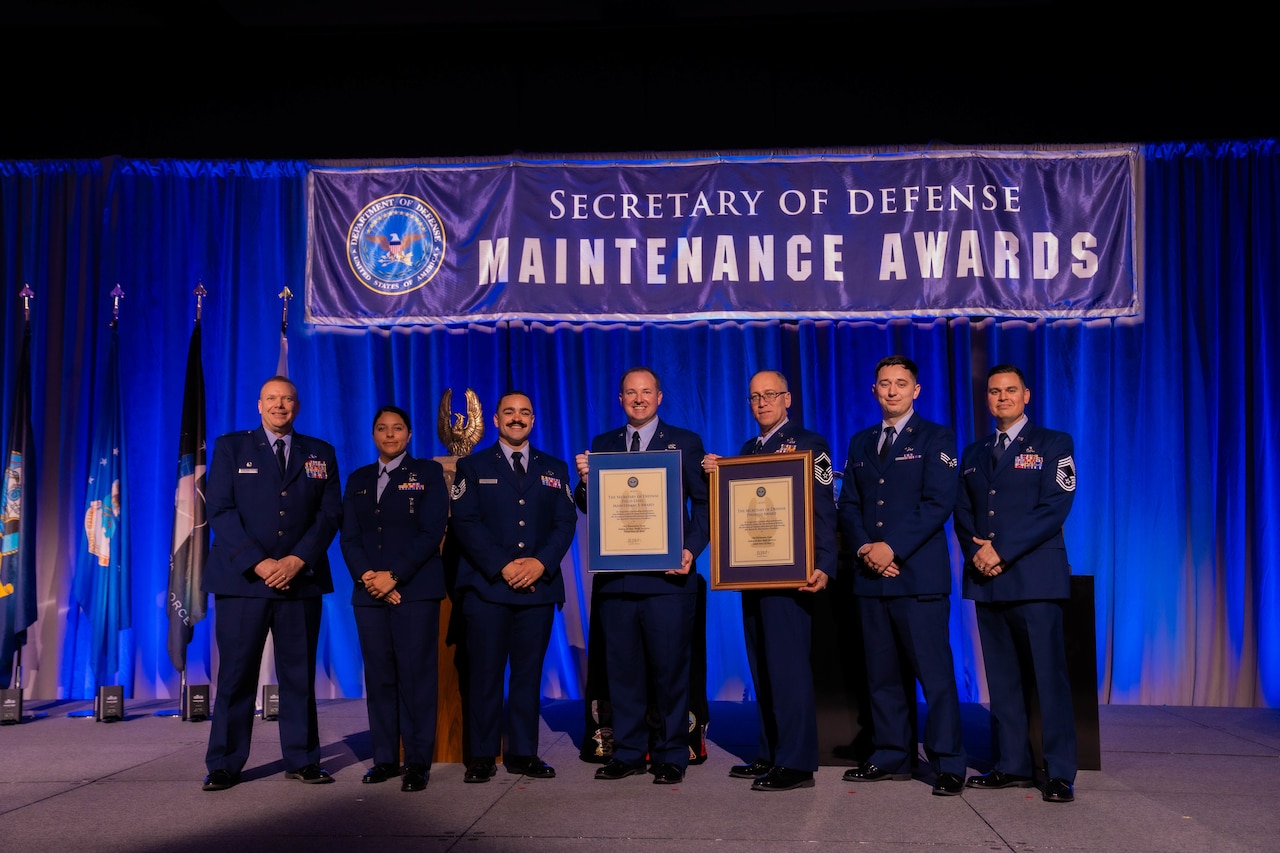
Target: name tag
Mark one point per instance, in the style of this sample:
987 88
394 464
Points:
488 481
247 471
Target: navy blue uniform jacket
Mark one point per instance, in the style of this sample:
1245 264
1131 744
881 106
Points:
695 503
256 512
1021 507
498 516
789 439
905 502
401 533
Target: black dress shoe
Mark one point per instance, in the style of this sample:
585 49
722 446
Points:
529 765
310 775
947 785
1058 791
868 772
616 769
380 773
666 774
480 770
415 778
996 779
220 780
754 770
782 779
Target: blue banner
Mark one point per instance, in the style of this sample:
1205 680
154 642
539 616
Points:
18 515
101 582
924 234
187 601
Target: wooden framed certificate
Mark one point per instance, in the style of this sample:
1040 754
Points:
635 521
762 521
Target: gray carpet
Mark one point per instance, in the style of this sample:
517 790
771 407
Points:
1172 779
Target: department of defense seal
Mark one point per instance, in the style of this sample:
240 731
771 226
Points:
396 244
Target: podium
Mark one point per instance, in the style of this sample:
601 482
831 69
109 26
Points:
449 716
1078 627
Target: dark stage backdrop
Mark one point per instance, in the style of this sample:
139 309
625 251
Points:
1173 413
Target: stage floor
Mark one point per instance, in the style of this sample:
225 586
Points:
1172 779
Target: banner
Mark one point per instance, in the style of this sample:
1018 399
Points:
927 234
101 584
187 601
18 556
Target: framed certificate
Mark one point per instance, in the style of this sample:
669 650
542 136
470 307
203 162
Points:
635 521
762 521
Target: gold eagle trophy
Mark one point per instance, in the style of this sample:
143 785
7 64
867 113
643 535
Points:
459 434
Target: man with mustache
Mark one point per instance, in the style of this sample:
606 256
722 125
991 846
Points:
648 616
512 521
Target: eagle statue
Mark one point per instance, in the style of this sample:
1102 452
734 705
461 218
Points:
460 434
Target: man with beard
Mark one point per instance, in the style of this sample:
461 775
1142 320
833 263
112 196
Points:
512 521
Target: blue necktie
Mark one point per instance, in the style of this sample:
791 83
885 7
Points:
1001 443
887 446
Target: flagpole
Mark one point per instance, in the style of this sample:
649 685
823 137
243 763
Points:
282 366
27 295
186 598
101 581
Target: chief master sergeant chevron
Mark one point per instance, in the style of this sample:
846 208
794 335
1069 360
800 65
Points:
274 504
1016 489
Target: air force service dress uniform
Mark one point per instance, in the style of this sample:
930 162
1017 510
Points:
778 624
256 512
399 532
1021 503
904 501
498 516
648 619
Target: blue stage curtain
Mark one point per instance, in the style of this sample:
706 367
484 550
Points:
1172 413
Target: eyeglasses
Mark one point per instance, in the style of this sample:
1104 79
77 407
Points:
767 396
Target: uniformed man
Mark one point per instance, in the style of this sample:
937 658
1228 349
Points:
274 505
777 624
1016 490
513 520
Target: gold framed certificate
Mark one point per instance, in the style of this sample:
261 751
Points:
635 521
762 521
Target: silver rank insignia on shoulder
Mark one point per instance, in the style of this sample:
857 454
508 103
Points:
822 471
949 461
458 490
1066 474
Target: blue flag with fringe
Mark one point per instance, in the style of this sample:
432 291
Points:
102 585
187 601
18 558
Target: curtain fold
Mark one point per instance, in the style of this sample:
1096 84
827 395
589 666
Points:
1174 413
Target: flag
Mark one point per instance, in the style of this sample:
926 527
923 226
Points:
18 555
102 570
187 600
282 365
